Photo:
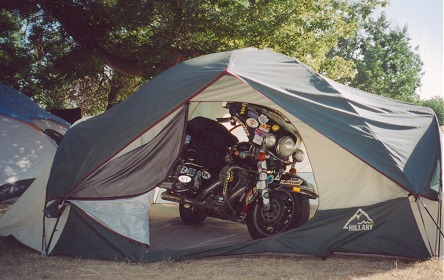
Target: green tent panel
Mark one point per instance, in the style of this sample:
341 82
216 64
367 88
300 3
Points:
376 163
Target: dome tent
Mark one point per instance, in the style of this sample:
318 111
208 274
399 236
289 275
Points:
376 163
29 138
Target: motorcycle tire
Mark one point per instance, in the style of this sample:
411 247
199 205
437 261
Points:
191 215
287 211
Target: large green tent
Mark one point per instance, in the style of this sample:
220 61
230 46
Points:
376 164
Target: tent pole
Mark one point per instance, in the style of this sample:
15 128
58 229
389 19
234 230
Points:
431 248
440 218
430 215
43 251
52 235
438 226
440 194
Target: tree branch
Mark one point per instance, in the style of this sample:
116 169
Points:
74 21
123 66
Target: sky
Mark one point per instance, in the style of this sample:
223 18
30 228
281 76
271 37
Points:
424 20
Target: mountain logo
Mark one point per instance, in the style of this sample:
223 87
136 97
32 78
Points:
360 221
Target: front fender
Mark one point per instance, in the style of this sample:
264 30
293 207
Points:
294 183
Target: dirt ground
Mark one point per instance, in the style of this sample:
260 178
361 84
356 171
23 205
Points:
19 262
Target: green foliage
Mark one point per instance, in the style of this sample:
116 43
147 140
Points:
94 53
15 60
385 62
436 103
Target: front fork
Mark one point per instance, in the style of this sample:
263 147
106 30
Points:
261 187
262 183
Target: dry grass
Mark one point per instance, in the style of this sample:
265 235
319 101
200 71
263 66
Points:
19 262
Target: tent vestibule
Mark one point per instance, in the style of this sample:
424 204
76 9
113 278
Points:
376 164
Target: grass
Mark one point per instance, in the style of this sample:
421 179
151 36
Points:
19 262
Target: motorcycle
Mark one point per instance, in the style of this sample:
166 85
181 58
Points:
243 181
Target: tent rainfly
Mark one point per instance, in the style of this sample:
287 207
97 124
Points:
377 165
29 138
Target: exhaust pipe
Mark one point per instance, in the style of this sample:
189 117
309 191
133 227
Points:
216 207
172 197
166 185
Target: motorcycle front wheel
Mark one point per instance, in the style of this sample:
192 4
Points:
287 211
191 215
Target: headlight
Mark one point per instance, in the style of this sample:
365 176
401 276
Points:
270 140
285 147
298 155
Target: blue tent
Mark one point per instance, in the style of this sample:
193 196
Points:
29 137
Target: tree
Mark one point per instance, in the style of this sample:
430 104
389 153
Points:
436 103
386 63
15 59
54 70
75 44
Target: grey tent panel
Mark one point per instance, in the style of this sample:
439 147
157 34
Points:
99 242
361 230
364 124
148 165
